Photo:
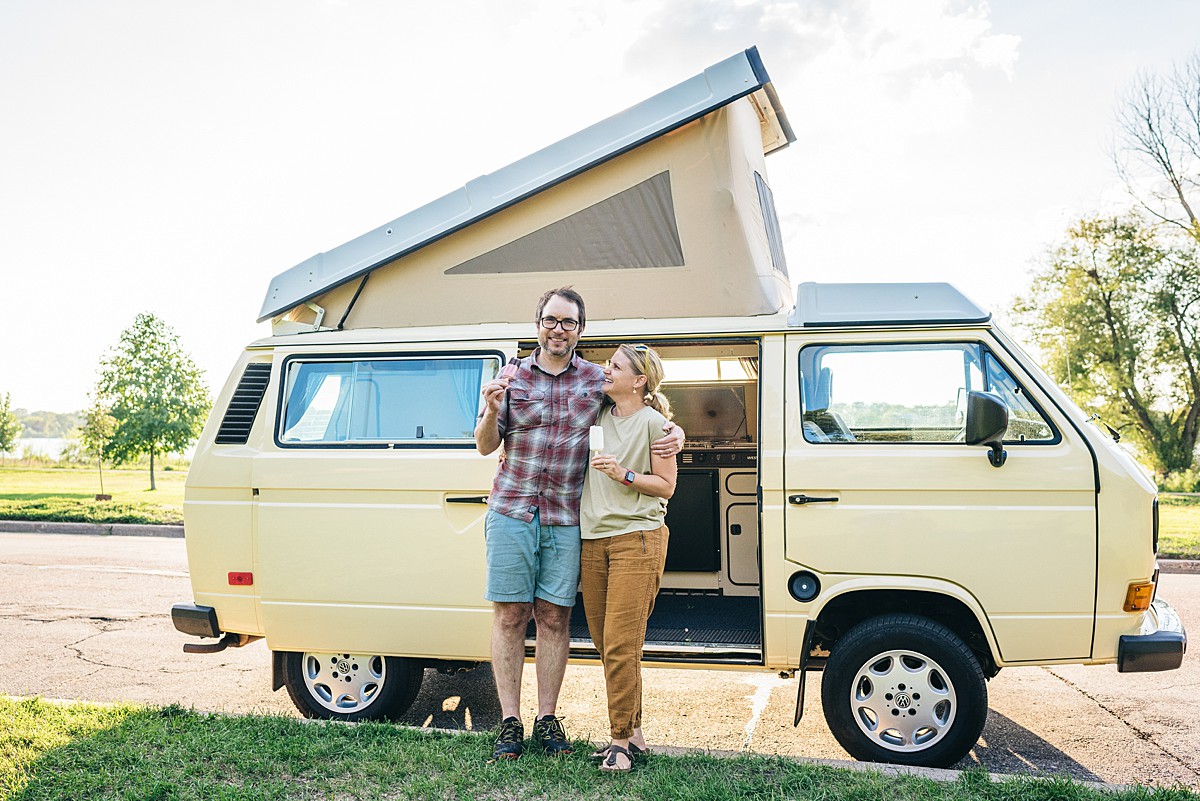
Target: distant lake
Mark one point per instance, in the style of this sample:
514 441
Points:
47 446
53 447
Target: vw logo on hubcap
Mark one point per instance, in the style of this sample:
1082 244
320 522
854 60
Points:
903 701
344 666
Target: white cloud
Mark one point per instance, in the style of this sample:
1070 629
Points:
917 34
998 52
938 103
866 66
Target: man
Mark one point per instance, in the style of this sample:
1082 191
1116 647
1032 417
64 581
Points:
542 416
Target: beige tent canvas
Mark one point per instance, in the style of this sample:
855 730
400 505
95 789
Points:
663 210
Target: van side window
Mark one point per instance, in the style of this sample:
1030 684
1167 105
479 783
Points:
887 393
383 400
906 393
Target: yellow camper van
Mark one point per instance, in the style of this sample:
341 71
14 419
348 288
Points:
877 482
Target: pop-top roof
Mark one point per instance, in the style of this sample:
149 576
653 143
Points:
819 305
718 86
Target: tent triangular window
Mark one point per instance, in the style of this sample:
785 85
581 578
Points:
632 230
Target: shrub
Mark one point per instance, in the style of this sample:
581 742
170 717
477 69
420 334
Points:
1183 481
73 454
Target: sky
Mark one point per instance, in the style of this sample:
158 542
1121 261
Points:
172 157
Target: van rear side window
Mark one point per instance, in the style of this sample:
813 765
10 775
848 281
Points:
383 400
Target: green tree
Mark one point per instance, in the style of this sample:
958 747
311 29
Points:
1115 310
10 426
97 431
154 391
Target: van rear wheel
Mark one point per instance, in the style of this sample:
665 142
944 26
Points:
351 686
904 689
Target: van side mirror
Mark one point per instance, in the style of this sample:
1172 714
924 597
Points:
987 420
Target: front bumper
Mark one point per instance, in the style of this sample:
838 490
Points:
1160 645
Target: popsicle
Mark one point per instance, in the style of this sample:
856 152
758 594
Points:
510 369
596 439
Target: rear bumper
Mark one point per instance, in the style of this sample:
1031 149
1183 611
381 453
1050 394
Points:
1159 646
199 621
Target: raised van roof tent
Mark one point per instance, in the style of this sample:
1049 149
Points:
662 210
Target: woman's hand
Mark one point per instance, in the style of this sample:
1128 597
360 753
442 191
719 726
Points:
606 463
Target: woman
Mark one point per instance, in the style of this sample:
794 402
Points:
624 539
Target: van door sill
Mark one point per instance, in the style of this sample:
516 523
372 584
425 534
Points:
669 652
695 628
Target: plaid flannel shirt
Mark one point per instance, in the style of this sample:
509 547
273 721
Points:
544 424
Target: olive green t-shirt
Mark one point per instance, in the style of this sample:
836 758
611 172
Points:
608 507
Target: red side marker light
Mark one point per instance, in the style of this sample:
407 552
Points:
241 579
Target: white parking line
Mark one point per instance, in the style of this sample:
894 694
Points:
762 695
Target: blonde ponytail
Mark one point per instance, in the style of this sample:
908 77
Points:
659 403
645 362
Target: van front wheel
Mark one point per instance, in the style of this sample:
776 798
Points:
351 686
904 689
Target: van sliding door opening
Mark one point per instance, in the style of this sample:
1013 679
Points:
709 608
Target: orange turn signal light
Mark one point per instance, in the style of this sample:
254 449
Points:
1138 596
241 579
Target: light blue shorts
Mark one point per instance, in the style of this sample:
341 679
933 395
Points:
529 560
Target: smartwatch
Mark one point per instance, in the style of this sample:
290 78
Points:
629 477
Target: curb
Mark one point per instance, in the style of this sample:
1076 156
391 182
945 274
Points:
90 529
944 775
1179 565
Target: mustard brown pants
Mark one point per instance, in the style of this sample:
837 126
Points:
621 577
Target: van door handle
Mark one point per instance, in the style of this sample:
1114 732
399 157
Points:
469 499
800 500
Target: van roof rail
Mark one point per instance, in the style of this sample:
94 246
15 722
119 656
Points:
825 305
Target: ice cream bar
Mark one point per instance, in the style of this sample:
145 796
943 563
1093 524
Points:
596 439
510 369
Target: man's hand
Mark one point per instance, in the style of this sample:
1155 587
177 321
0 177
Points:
671 444
487 437
493 394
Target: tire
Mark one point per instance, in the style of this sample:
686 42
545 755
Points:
351 687
904 689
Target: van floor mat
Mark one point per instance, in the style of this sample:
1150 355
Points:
688 620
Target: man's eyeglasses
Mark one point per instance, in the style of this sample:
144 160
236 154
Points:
550 323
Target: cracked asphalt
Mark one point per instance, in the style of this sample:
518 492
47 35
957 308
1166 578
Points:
85 617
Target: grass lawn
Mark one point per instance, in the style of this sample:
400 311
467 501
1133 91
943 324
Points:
77 751
1178 528
69 495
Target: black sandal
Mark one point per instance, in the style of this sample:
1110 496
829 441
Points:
610 762
633 749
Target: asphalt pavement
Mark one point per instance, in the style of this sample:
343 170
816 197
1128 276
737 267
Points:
87 617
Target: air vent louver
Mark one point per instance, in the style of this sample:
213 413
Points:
239 417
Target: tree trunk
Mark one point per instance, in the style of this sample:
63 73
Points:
152 487
100 467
